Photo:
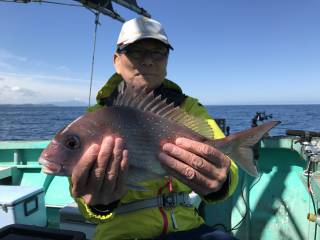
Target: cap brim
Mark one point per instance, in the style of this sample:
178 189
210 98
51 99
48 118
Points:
121 47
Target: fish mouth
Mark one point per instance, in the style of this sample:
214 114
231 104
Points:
50 167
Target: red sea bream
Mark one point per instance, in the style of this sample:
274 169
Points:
145 122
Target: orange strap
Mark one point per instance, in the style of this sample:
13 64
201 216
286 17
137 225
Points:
163 213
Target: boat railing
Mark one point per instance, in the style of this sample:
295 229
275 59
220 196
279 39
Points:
19 166
265 201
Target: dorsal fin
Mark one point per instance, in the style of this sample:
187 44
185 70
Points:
148 102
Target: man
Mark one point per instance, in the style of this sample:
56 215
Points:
99 180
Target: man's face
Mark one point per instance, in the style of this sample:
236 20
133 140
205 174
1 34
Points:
143 63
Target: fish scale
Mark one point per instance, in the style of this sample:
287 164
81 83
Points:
145 126
142 139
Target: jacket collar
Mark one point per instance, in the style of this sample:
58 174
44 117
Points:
116 80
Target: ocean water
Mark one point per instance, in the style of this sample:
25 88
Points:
297 117
36 122
41 122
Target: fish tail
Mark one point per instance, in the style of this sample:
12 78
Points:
239 146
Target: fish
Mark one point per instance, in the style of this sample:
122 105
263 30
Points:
145 121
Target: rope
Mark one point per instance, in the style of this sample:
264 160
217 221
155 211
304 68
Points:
93 54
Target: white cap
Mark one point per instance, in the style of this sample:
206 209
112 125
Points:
141 28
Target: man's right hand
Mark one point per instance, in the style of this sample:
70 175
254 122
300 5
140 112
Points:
101 174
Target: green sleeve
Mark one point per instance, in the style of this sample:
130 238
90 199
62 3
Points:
94 107
193 107
88 214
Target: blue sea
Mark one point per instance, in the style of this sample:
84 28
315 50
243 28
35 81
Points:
42 122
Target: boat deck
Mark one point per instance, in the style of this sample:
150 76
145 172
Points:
278 201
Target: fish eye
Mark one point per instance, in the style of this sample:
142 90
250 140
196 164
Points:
72 142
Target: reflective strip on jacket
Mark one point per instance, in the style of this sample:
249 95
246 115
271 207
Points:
151 222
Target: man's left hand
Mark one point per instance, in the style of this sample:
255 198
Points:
200 166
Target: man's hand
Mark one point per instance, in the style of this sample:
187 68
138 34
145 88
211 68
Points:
201 167
101 174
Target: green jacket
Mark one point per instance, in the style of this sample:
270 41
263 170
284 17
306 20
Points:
152 222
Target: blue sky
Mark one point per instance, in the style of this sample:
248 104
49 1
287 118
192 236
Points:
225 52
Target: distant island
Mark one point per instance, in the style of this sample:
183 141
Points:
53 104
28 105
70 103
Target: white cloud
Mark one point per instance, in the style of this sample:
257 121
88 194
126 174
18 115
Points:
40 77
4 65
10 62
25 80
15 94
4 54
27 88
